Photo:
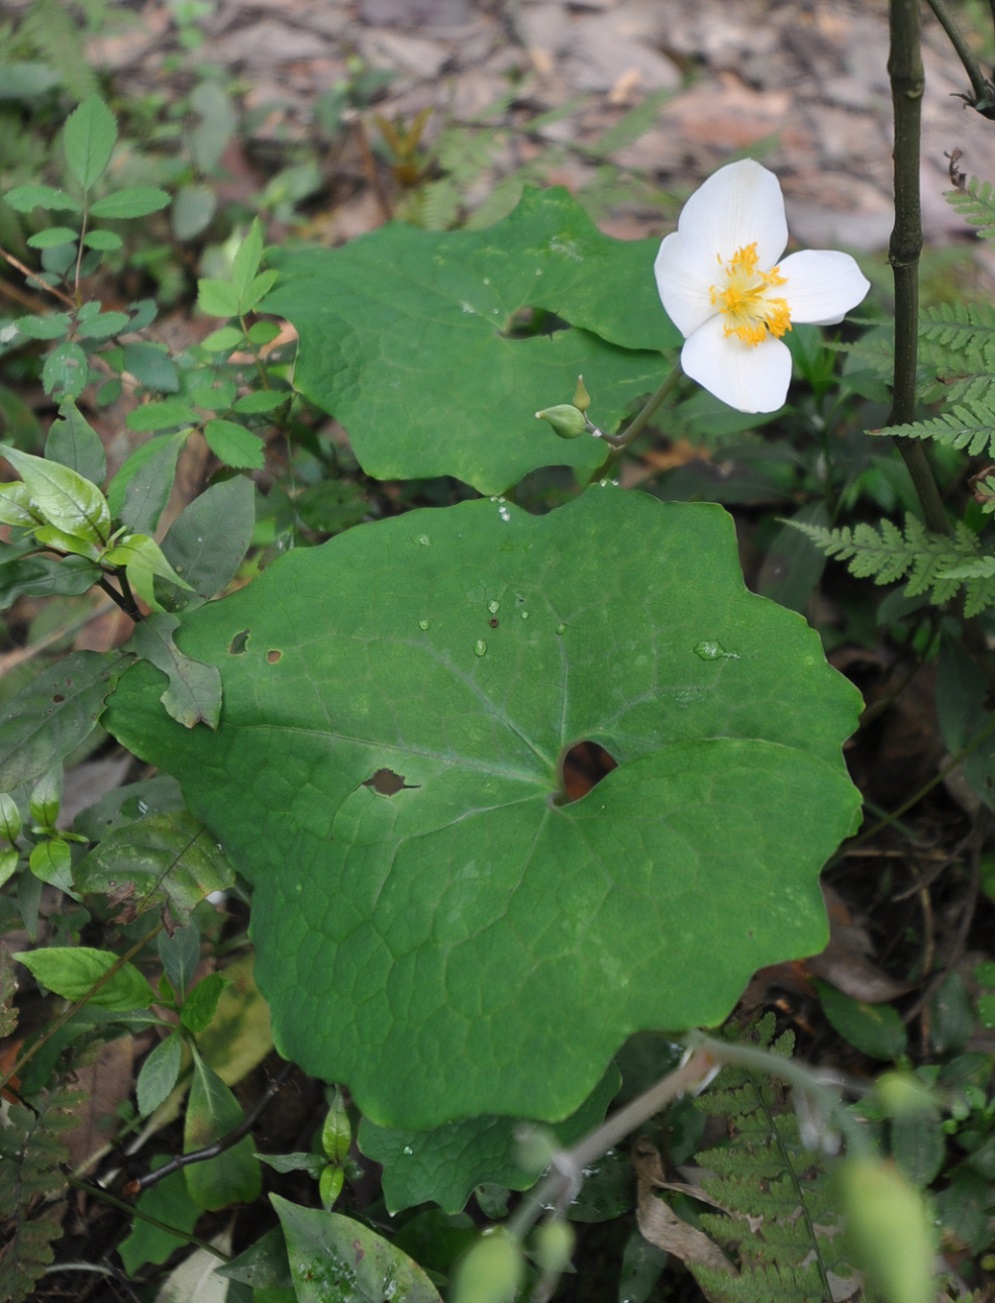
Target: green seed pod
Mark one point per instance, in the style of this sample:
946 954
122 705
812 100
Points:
553 1245
567 421
888 1229
582 398
492 1270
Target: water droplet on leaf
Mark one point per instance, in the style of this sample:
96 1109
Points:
479 647
493 607
423 624
561 628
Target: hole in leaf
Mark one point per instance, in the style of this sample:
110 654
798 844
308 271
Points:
239 643
274 656
59 698
386 783
583 766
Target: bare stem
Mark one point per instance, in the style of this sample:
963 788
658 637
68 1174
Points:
982 89
907 85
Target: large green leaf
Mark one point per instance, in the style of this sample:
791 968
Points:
425 947
404 324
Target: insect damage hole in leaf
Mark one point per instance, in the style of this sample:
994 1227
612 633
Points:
581 768
386 783
274 656
239 642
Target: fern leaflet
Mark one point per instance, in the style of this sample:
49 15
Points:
976 204
782 1226
970 426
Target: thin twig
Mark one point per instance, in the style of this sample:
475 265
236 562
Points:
219 1146
33 277
983 91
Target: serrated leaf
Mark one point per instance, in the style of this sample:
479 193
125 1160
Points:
159 1074
404 324
194 692
209 539
247 258
201 1004
54 326
164 859
334 1259
54 713
73 442
66 371
24 198
53 238
261 400
104 325
217 298
472 916
67 500
104 241
165 414
74 971
235 445
88 139
257 290
135 201
212 1111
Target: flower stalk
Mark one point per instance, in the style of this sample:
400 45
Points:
907 85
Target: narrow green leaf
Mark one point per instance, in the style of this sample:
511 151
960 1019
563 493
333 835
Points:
235 445
40 576
164 859
135 201
194 692
67 500
261 400
138 493
73 442
73 972
143 561
192 210
88 139
224 339
159 1074
54 713
213 1111
59 541
248 256
209 539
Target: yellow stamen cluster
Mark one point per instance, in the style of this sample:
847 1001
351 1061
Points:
743 297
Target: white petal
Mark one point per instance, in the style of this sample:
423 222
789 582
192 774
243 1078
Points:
683 284
822 286
751 378
738 205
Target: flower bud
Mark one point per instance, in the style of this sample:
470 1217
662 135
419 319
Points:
582 398
553 1245
567 421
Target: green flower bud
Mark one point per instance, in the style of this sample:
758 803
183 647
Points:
567 421
336 1134
10 818
491 1271
582 398
330 1184
888 1229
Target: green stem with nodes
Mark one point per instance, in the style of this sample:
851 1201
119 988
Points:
907 84
618 442
981 86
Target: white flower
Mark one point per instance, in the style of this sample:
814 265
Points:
723 288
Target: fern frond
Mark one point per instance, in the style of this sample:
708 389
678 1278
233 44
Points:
52 28
976 204
958 339
929 563
969 426
32 1154
782 1225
